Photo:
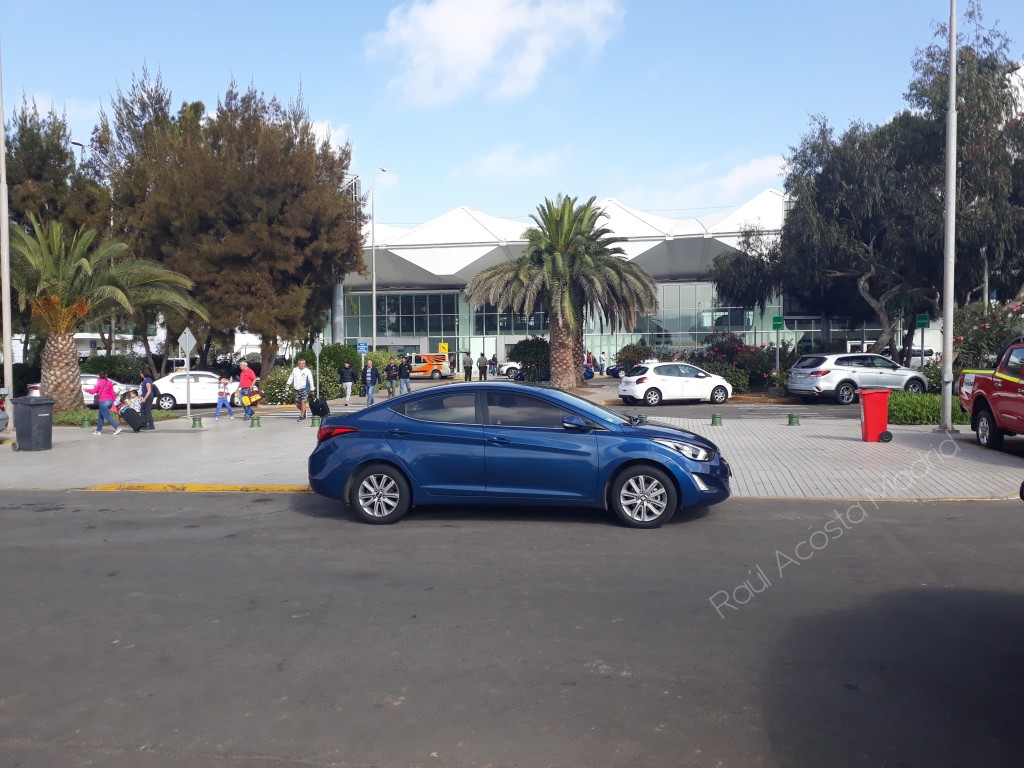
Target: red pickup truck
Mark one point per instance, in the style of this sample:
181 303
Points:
995 397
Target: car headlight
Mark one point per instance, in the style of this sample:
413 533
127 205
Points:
689 450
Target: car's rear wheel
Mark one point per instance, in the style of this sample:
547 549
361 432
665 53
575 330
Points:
166 402
643 497
915 386
846 393
435 374
719 395
652 397
381 494
988 434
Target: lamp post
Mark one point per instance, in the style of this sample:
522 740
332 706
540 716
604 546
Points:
373 256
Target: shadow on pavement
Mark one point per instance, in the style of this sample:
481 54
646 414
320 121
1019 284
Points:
916 678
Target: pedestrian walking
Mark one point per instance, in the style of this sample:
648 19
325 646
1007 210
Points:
223 398
246 384
105 396
391 376
481 367
147 397
301 381
347 375
602 362
404 377
370 377
467 367
492 367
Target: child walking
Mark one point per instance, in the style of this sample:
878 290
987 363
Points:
223 399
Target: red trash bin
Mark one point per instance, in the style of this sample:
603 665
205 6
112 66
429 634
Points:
874 415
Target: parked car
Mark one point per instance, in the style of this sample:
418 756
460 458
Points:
88 381
994 397
509 369
615 371
202 389
512 444
653 382
840 376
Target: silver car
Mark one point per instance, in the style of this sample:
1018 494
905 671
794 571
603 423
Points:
840 376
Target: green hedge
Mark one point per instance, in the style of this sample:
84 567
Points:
739 379
910 408
331 359
73 418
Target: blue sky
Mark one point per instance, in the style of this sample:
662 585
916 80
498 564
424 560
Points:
676 107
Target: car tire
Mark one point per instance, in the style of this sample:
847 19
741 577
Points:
846 393
166 402
986 431
511 372
643 496
435 374
719 395
652 397
380 494
916 386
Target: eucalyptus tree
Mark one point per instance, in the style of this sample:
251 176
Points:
67 282
571 269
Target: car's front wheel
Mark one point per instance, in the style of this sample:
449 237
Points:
511 372
628 400
846 393
719 395
988 434
914 385
166 402
381 494
652 397
643 497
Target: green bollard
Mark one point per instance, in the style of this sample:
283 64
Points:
314 421
254 422
86 422
794 420
716 419
197 422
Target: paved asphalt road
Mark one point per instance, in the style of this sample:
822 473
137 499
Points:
193 631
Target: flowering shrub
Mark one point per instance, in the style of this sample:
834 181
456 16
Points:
756 362
980 331
631 354
739 379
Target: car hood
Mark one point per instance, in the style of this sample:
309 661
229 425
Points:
653 429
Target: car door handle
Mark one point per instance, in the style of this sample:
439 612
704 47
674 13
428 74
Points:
996 383
499 441
398 432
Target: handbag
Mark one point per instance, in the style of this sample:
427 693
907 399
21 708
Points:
252 398
96 401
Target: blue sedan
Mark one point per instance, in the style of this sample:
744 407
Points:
512 444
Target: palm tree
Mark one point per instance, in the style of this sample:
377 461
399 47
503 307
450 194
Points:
69 284
571 268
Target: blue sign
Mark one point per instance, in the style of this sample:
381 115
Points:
362 347
92 343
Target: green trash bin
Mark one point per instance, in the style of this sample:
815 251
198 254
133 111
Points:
33 423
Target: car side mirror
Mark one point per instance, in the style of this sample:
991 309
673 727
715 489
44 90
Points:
575 423
702 375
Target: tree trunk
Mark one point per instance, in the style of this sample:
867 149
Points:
268 356
564 359
61 377
886 321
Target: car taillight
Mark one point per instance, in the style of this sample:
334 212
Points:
332 430
641 380
819 373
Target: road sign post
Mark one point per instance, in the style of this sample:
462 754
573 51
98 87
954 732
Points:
777 327
317 349
187 342
922 323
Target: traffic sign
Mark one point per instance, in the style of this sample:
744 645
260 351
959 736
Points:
776 323
922 321
442 347
317 348
187 341
362 347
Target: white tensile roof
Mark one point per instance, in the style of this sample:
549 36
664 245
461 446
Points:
447 251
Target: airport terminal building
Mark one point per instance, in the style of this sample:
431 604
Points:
422 272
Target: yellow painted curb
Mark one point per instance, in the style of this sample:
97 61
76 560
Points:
199 488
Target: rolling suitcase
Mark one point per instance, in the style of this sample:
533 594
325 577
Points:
132 418
319 407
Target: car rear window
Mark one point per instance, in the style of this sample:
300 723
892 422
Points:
809 361
637 370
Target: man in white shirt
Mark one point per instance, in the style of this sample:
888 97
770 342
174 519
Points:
301 379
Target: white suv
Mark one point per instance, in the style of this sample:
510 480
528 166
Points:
840 376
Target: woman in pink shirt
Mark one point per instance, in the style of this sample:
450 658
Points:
104 390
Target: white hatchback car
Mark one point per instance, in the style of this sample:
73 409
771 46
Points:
654 382
88 381
202 389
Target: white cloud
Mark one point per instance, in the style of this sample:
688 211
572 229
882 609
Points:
446 49
508 161
338 133
81 115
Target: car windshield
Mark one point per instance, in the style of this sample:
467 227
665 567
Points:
636 370
809 361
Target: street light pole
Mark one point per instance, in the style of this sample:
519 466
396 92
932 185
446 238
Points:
949 245
373 256
5 261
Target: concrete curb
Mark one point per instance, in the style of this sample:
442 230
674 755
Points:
198 488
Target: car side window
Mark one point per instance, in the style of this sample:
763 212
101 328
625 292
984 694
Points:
850 362
688 371
667 370
454 408
513 410
1015 362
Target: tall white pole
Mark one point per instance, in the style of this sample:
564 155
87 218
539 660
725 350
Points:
373 257
949 250
5 256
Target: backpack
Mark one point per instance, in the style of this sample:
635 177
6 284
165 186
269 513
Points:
154 392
